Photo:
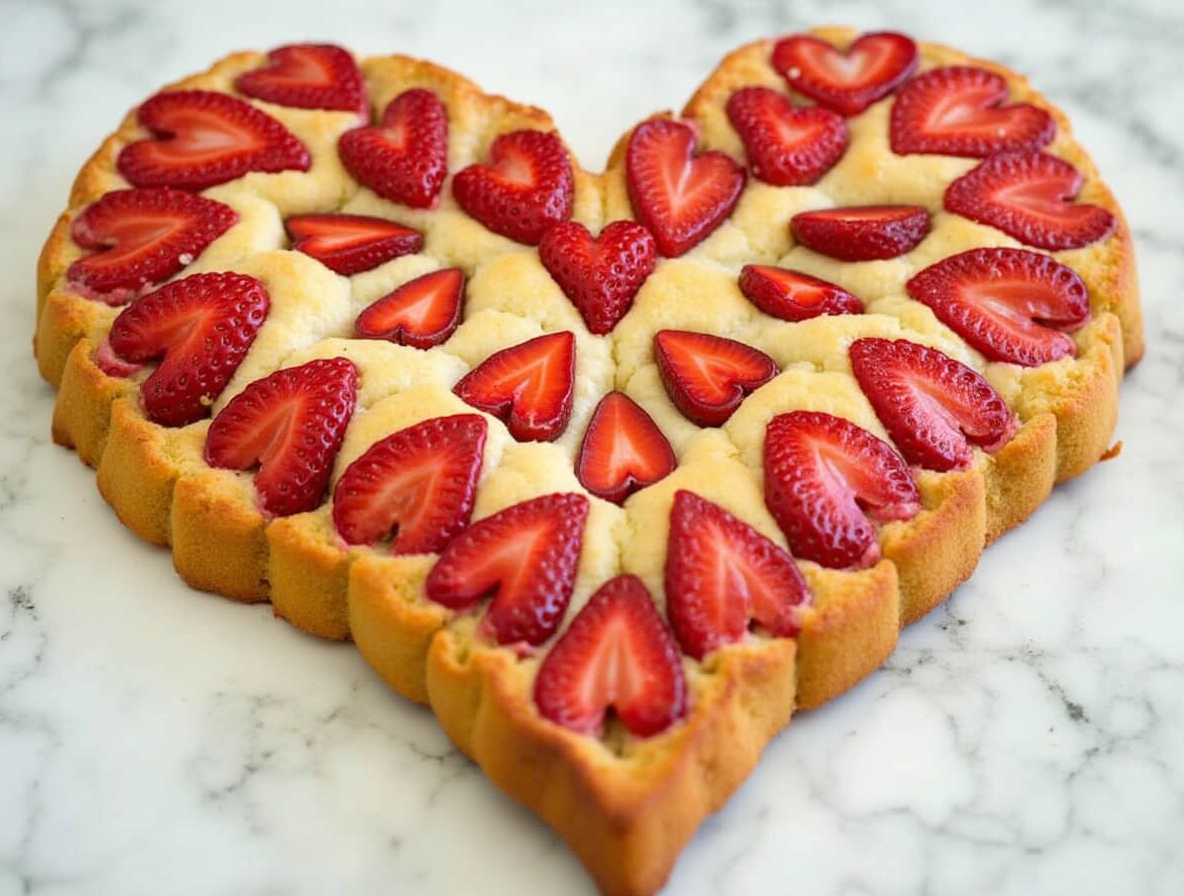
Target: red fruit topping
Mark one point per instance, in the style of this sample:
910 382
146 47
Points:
203 326
350 244
528 386
792 295
420 482
824 478
708 376
786 146
526 557
959 111
201 138
722 575
1009 304
527 186
862 232
421 313
617 653
679 196
623 450
933 407
307 76
142 237
1029 195
405 158
600 276
290 424
849 82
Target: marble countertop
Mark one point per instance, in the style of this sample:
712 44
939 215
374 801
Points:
1026 738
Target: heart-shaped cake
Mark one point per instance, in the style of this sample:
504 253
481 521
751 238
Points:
615 471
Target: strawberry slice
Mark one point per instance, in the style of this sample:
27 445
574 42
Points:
307 76
708 376
202 326
871 68
526 187
421 313
933 407
291 425
960 111
420 482
623 450
722 575
862 232
600 276
787 146
826 479
201 138
616 653
679 196
405 158
528 386
1009 304
350 244
526 557
141 238
794 296
1029 195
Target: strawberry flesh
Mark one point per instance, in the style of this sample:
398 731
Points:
623 450
291 425
617 654
826 479
862 232
307 76
525 557
350 244
786 146
421 313
1010 304
723 575
708 376
847 82
419 482
794 296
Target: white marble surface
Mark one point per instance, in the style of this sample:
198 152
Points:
1027 738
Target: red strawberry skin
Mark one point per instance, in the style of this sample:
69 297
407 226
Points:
708 397
421 313
291 424
932 406
721 574
202 138
960 111
824 478
623 450
141 238
617 653
873 66
405 158
601 276
307 76
862 233
1028 195
350 244
679 196
794 296
420 481
527 186
787 146
203 325
1009 304
526 556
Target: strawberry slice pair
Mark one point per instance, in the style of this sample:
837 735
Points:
847 82
706 376
307 76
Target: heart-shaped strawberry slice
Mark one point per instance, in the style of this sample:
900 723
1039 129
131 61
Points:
847 82
405 158
599 275
862 232
421 313
202 138
307 76
708 376
1029 195
1010 304
960 111
623 450
794 296
527 186
787 146
350 244
679 196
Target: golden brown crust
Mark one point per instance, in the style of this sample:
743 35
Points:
218 536
82 412
309 577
